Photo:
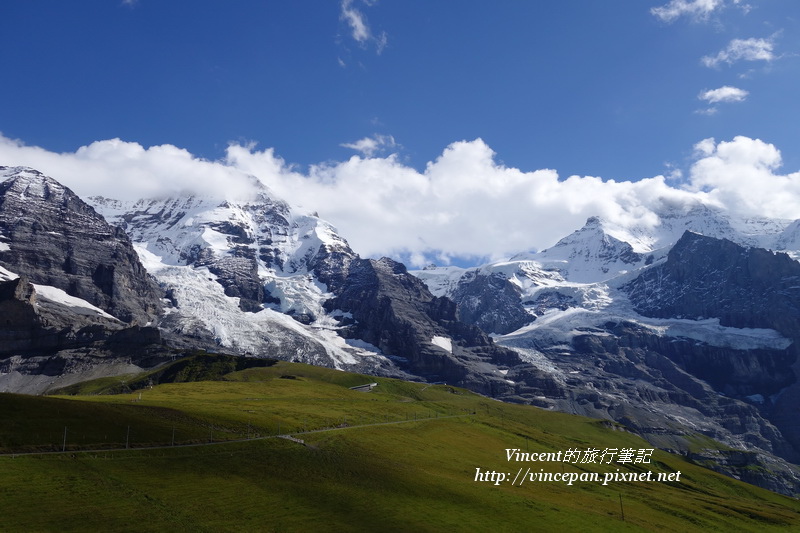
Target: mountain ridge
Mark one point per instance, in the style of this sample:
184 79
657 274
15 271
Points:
257 277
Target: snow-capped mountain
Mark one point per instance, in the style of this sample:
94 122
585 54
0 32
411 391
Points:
602 250
245 273
673 326
578 270
678 324
258 277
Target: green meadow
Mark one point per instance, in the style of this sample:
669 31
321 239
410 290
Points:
206 456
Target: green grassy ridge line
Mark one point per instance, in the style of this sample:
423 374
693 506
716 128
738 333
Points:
228 441
200 366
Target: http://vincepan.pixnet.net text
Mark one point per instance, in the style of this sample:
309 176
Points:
632 463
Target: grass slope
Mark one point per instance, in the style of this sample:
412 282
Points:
400 458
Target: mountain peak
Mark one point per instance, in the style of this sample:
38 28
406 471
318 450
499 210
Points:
29 183
18 171
54 238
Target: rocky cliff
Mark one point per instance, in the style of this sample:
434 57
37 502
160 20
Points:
396 312
50 339
53 238
707 277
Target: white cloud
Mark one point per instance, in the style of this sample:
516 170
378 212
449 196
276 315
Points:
696 9
356 20
369 146
742 175
359 28
462 204
126 170
708 111
742 50
724 94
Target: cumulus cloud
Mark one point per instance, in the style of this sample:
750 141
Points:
698 10
369 146
742 50
464 204
724 94
126 170
359 28
742 175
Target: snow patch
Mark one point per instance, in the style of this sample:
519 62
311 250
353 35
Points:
7 275
711 332
363 345
600 304
441 281
443 342
78 305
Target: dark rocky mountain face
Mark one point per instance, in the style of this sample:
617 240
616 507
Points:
46 343
707 277
54 238
55 242
743 288
668 390
396 312
32 324
491 302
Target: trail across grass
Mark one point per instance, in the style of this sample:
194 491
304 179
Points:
220 442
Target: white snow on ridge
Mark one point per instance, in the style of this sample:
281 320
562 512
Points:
170 235
4 247
7 275
711 332
444 343
202 303
77 305
441 281
585 271
602 250
560 326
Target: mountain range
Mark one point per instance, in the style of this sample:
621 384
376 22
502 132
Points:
683 329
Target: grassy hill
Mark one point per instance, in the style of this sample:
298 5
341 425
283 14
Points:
204 456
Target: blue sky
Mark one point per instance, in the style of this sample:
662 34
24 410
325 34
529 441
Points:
621 90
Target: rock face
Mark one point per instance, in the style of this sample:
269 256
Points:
75 300
396 312
32 324
48 339
53 238
707 277
491 302
743 288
